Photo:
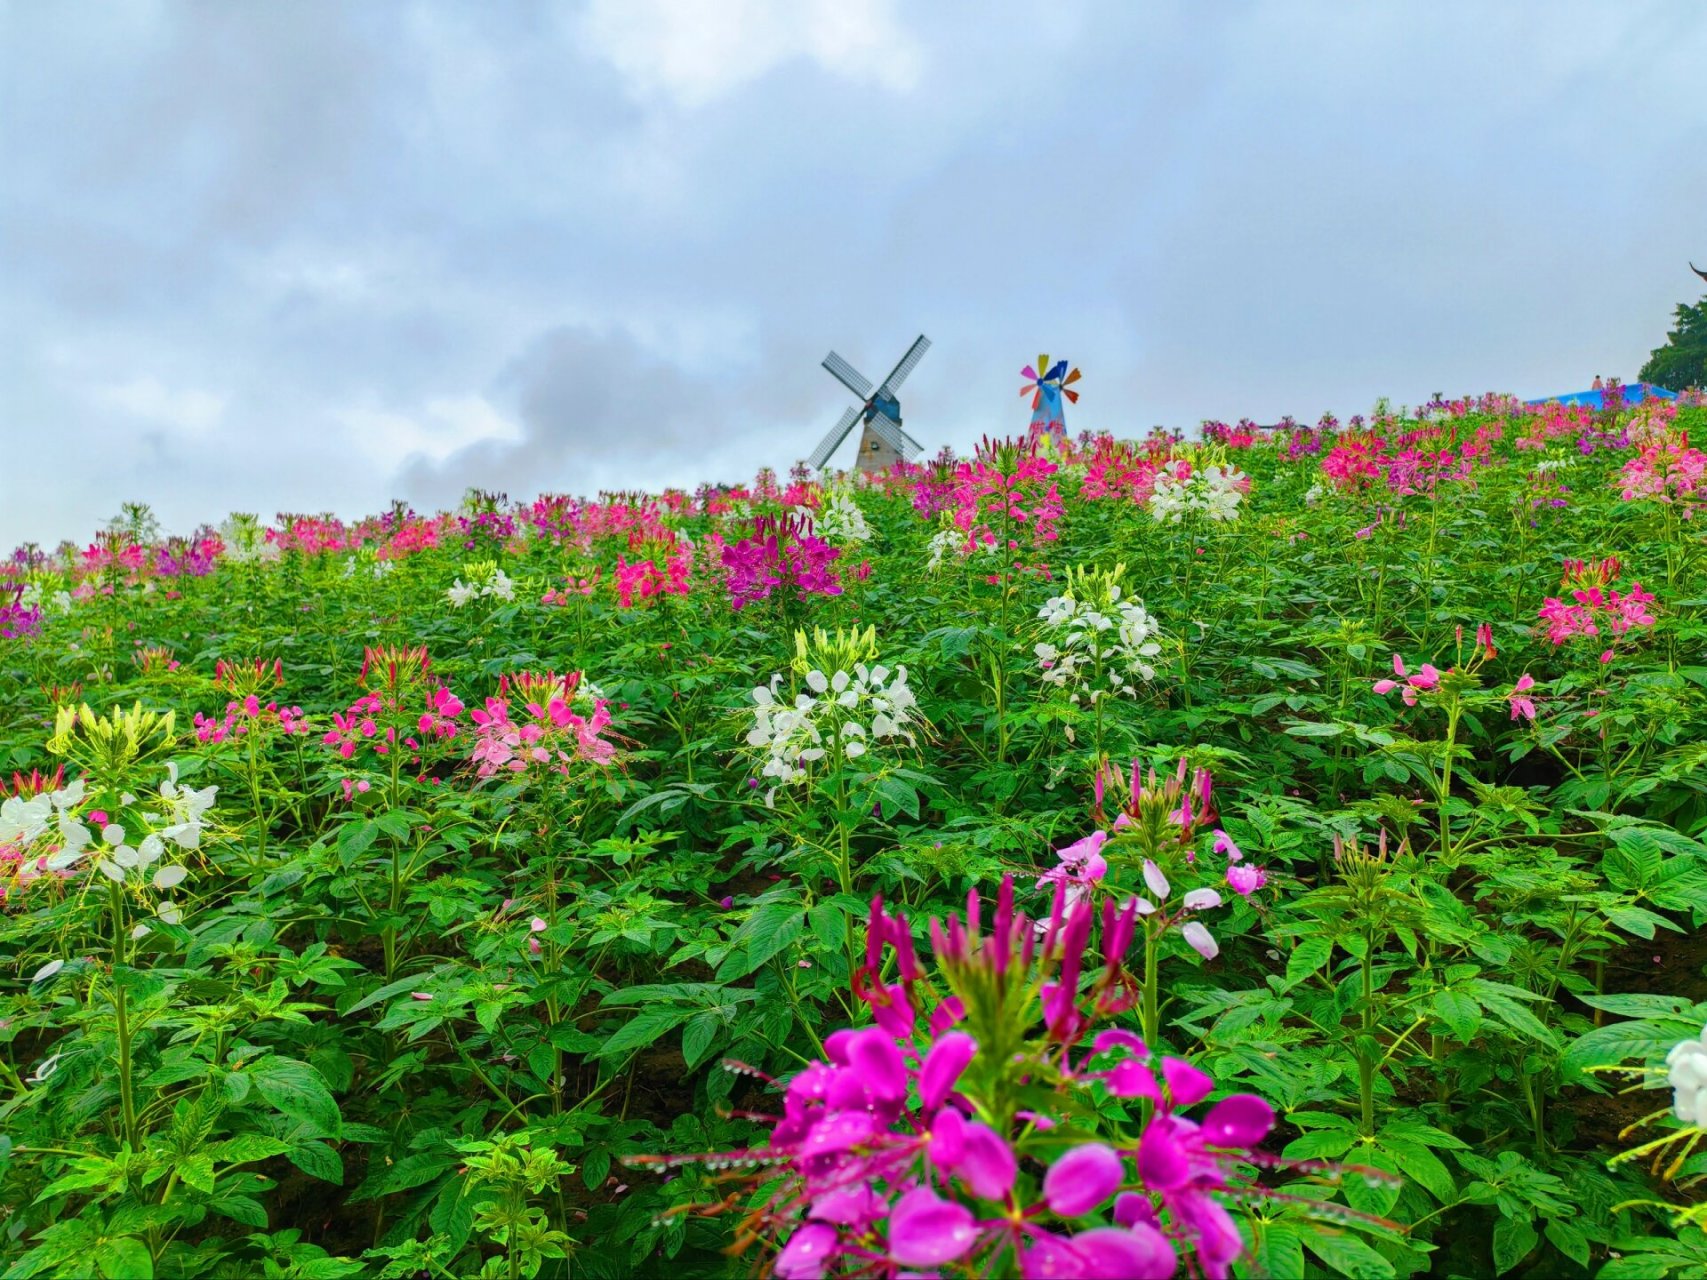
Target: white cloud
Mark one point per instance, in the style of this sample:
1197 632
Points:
442 427
694 52
184 409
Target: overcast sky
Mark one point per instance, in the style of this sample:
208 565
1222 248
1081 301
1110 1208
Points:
311 256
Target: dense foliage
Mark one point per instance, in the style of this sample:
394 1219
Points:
1682 361
430 895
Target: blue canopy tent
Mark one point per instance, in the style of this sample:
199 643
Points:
1634 393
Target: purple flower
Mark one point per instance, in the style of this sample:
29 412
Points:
1200 939
942 1067
1246 880
807 1252
1082 1179
926 1231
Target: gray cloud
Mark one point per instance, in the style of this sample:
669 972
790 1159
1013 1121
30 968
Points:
311 256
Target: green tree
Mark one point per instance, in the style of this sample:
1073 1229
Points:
1682 362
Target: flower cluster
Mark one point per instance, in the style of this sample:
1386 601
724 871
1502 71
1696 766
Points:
46 836
40 833
554 734
404 706
1428 677
247 716
1096 633
839 519
638 581
18 617
1213 491
962 1132
836 715
485 579
1005 489
1665 471
1595 605
1116 470
245 540
368 721
782 553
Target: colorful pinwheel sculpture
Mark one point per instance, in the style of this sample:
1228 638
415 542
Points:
1046 384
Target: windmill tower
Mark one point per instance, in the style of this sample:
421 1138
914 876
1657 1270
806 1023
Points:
1046 385
882 441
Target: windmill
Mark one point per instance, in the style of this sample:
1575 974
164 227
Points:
1046 384
882 441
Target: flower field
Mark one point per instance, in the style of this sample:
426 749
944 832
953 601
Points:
1279 854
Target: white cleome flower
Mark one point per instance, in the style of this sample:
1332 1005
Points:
185 810
840 519
1687 1074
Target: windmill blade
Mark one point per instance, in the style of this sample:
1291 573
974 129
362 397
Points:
1072 378
848 376
898 374
1698 271
1056 371
833 439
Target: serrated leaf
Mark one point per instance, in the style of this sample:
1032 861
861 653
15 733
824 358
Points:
698 1038
1459 1012
296 1090
1307 957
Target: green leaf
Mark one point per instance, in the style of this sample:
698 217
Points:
1279 1252
247 1147
1637 1266
296 1090
1348 1255
1312 729
1568 1240
1307 957
769 928
1460 1012
1421 1166
318 1160
123 1258
356 838
453 1215
394 822
698 1038
643 1030
1633 1042
1639 921
241 1209
1639 1004
196 1171
1324 1144
1513 1240
895 794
